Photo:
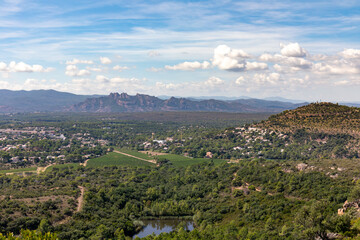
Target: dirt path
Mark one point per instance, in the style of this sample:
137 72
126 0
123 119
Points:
84 163
153 153
146 160
43 169
80 199
80 204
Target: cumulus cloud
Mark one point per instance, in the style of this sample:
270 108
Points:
262 78
288 64
292 50
72 70
351 53
116 80
105 60
101 78
337 67
226 58
22 67
78 61
3 66
255 66
213 82
120 68
189 66
240 81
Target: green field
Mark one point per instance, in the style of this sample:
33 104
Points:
61 166
135 153
31 169
181 161
116 159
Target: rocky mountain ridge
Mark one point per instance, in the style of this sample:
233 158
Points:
123 102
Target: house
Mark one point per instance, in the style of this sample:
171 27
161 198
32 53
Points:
209 155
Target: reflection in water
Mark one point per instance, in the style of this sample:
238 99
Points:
160 225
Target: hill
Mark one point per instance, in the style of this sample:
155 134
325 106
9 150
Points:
323 117
37 100
123 102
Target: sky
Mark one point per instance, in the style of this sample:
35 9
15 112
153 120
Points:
308 50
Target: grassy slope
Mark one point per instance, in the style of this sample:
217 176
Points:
181 161
61 166
116 159
31 169
135 153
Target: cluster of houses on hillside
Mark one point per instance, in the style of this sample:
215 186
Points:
14 143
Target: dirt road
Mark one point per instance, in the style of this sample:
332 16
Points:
80 199
146 160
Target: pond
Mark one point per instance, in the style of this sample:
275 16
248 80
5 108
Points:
162 225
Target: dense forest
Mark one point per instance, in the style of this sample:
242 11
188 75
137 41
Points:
255 199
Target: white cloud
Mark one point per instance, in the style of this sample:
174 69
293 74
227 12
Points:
116 80
256 66
240 81
105 60
72 70
94 69
226 58
120 68
101 78
3 66
351 53
337 67
124 80
78 61
213 82
292 50
168 86
298 62
266 57
22 67
189 66
262 78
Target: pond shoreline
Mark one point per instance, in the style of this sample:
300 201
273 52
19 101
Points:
157 226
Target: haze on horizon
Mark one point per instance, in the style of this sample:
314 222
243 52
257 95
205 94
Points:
308 50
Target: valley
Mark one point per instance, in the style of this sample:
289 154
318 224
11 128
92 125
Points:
88 176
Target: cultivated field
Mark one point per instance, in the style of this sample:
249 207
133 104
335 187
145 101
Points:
136 153
116 159
181 161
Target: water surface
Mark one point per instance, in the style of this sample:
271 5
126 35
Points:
162 225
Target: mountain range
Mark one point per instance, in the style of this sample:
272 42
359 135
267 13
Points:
123 102
55 101
37 100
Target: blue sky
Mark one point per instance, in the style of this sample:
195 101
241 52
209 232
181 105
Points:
301 50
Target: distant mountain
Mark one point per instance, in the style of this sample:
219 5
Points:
123 102
37 100
198 98
281 99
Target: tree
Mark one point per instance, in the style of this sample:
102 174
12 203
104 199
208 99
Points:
314 221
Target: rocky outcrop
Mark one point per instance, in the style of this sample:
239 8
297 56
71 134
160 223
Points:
347 205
